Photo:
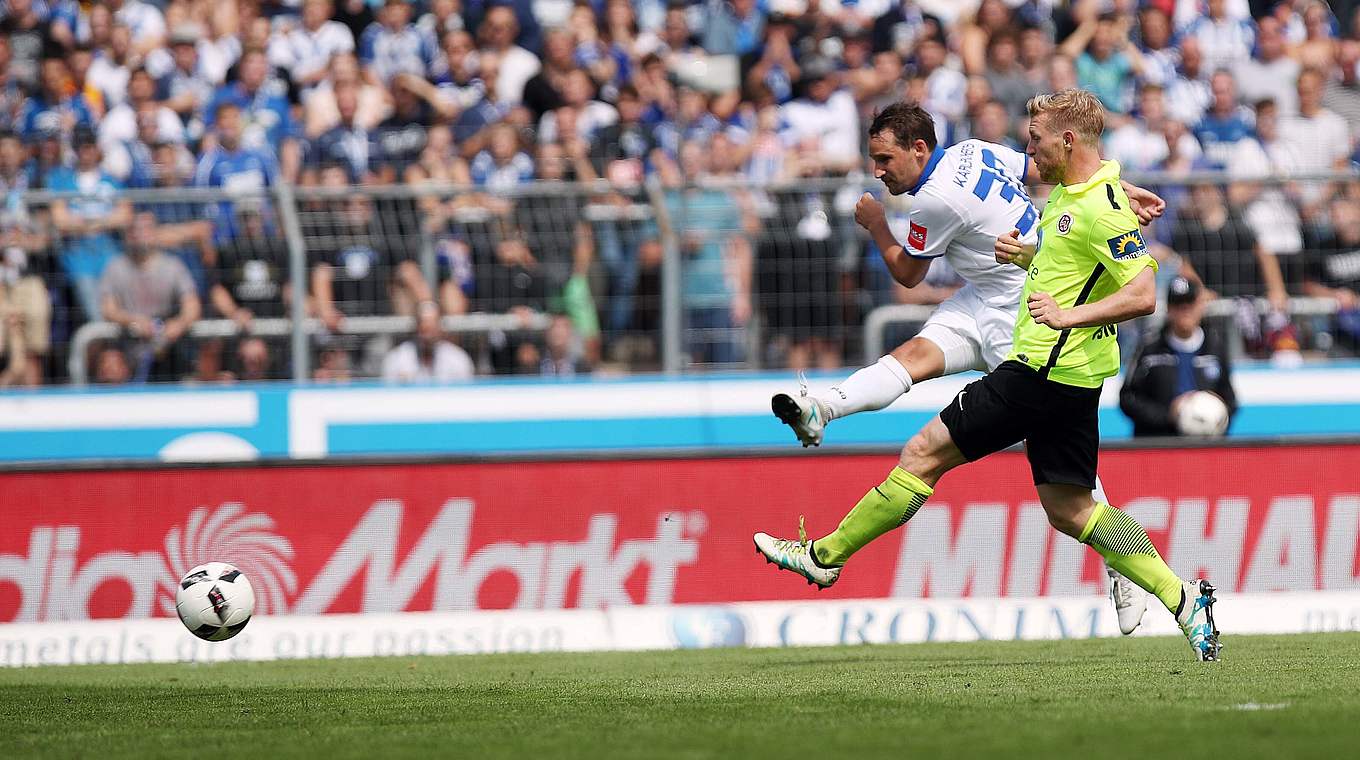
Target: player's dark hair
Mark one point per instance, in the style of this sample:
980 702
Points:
907 121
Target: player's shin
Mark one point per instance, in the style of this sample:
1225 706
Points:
887 506
1126 547
869 389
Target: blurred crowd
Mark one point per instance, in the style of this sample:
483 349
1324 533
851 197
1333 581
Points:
731 130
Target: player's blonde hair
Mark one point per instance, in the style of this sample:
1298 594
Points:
1074 109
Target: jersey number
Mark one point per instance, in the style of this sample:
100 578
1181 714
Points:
994 173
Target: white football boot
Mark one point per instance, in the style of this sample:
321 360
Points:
1196 618
803 413
796 556
1130 600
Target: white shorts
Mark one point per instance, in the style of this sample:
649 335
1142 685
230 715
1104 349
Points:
972 334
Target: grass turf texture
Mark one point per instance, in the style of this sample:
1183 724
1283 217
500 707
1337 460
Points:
1086 698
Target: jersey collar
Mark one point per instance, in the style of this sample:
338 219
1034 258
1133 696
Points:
935 156
1108 171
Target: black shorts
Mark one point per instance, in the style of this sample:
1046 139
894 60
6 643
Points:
1013 403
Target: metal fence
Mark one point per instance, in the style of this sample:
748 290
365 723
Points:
440 282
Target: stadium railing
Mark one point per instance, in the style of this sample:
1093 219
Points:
462 324
882 319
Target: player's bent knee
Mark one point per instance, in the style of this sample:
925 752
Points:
1067 507
930 453
1065 523
922 359
917 453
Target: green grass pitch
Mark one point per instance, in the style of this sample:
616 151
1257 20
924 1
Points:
1276 697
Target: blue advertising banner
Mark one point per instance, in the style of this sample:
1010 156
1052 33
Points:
518 416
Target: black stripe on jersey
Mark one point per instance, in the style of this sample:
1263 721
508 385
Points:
1109 193
1081 299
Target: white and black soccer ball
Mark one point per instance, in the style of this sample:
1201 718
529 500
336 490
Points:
215 601
1202 414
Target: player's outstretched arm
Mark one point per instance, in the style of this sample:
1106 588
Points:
1138 298
905 269
1146 204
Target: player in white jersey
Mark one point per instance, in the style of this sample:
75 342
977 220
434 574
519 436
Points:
963 198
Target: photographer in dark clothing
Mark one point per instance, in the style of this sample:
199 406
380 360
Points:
1180 360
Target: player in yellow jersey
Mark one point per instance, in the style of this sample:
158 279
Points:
1089 271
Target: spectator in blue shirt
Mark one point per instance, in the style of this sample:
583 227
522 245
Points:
716 263
456 75
502 166
1226 39
266 121
733 27
1225 124
45 151
1160 56
393 45
52 107
348 143
131 160
182 226
232 165
1106 61
400 139
88 221
528 34
490 109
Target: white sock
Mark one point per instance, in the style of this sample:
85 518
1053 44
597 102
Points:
873 387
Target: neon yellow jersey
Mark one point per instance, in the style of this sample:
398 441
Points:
1089 247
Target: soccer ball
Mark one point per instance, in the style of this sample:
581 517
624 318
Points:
1202 414
215 601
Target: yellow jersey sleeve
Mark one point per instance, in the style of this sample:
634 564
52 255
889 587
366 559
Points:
1119 244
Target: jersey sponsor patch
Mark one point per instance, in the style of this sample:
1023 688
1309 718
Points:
1064 224
916 237
1127 246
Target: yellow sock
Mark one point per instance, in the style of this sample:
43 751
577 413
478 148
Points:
887 506
1126 546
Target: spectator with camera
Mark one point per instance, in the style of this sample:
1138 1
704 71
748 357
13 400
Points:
1176 364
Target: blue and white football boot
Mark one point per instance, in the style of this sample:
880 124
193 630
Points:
803 413
1196 618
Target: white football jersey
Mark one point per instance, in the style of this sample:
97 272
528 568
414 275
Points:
968 195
